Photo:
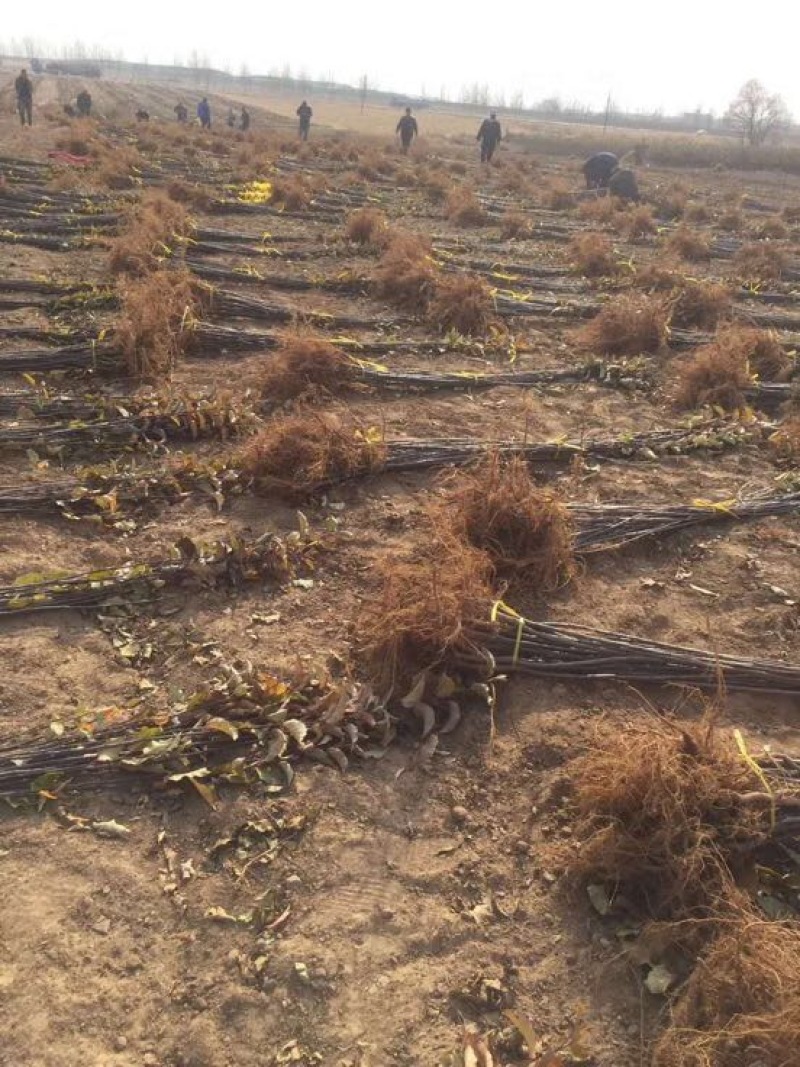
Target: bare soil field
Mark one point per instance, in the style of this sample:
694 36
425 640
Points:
302 761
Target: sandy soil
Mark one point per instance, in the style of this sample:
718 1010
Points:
412 895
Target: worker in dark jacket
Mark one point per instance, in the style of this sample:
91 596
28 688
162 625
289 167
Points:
597 169
408 130
181 112
204 113
23 87
244 120
304 113
623 185
490 135
83 103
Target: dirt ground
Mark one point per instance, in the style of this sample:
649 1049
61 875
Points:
364 917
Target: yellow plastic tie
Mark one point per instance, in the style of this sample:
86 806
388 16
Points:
499 606
724 506
754 767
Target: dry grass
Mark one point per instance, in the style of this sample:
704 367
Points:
298 455
425 607
294 193
629 324
671 200
304 366
559 196
713 376
741 1006
462 302
149 236
662 822
436 184
760 261
731 220
791 213
514 224
698 303
760 349
367 226
599 209
154 323
696 212
686 244
183 192
772 229
657 277
785 442
524 529
592 255
464 208
635 222
406 274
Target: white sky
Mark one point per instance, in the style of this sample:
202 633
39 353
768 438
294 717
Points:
675 55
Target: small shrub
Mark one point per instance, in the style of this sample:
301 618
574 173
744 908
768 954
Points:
304 365
599 209
636 222
731 220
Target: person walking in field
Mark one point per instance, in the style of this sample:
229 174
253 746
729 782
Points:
204 113
244 120
23 87
304 113
408 130
84 103
181 112
490 135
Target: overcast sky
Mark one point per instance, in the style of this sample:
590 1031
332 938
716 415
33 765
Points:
675 56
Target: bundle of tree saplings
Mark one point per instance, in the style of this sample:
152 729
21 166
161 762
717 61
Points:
246 727
232 563
306 364
299 454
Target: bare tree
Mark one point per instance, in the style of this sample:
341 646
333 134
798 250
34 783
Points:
756 113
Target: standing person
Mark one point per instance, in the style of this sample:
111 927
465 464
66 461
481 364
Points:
204 113
304 114
244 120
181 112
84 103
408 130
24 90
490 135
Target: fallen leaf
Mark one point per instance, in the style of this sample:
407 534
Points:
112 829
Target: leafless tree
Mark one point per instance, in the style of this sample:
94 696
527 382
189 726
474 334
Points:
756 114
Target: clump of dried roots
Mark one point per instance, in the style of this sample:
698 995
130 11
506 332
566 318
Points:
698 303
714 376
464 208
300 454
627 325
155 322
741 1006
592 255
462 302
524 529
304 365
150 235
425 608
407 273
664 820
367 226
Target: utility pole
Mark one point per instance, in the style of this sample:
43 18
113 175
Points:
608 112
